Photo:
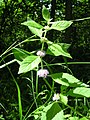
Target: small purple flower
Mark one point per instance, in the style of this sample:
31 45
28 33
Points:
43 73
56 96
41 53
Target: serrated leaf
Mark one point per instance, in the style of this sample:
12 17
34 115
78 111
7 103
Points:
20 54
63 99
61 25
31 23
29 63
45 13
36 31
67 79
82 91
56 50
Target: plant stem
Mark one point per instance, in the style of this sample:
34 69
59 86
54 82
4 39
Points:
48 84
33 89
18 89
36 84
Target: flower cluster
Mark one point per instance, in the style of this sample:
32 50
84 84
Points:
41 53
43 73
56 97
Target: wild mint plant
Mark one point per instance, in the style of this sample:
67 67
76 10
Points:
54 106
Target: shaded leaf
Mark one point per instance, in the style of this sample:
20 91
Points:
20 54
45 13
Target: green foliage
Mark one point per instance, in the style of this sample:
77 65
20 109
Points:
82 0
20 54
31 23
84 118
56 50
42 106
60 25
82 91
67 80
46 14
63 99
53 108
19 1
29 63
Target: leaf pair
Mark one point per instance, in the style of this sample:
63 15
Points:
37 29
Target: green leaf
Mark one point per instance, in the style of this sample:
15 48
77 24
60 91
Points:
84 118
45 13
19 100
36 31
64 46
20 54
83 1
50 111
29 63
31 23
57 49
61 25
73 118
67 79
70 93
19 1
82 91
63 99
59 116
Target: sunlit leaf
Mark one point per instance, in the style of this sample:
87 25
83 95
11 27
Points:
29 63
73 118
82 91
61 25
84 118
31 23
36 31
56 50
63 99
67 80
19 1
59 116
